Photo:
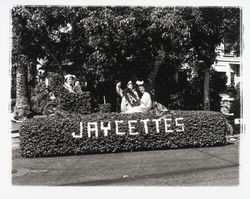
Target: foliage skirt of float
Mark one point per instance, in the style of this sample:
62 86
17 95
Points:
114 132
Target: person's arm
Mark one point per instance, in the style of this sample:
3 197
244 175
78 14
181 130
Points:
118 89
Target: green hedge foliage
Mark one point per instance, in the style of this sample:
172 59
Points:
76 103
52 136
105 108
40 98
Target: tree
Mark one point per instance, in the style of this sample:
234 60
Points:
22 100
208 28
106 44
20 63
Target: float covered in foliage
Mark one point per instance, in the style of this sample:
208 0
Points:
114 132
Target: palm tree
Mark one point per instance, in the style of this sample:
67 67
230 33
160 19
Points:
22 107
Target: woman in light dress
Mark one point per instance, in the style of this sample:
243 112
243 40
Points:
73 85
69 82
125 105
145 101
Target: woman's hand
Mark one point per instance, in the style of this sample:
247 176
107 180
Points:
118 89
118 85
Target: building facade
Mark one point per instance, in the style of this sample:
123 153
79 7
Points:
230 65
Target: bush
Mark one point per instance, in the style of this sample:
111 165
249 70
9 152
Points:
83 103
235 107
40 98
190 95
56 83
236 104
71 102
105 108
76 103
52 136
177 101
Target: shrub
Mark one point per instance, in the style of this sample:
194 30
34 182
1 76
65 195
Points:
71 102
190 95
76 103
105 108
52 136
177 101
235 107
40 98
56 83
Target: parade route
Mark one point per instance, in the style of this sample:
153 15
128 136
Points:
213 166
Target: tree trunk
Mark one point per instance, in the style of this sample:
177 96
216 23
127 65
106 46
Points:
159 60
22 108
206 98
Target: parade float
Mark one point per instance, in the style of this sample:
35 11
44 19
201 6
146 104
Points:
74 128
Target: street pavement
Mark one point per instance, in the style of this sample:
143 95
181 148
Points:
212 166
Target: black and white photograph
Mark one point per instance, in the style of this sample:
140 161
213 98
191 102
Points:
123 96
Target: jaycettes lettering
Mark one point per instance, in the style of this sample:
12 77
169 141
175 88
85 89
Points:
97 128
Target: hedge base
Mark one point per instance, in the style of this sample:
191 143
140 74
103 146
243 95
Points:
114 132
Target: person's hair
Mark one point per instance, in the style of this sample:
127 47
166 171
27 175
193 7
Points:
69 76
130 82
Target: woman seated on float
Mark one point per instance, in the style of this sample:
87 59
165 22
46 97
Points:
133 104
127 99
145 101
77 87
69 82
72 85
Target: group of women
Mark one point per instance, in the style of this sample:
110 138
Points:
71 84
133 100
144 102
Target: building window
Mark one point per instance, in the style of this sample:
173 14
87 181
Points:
227 49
